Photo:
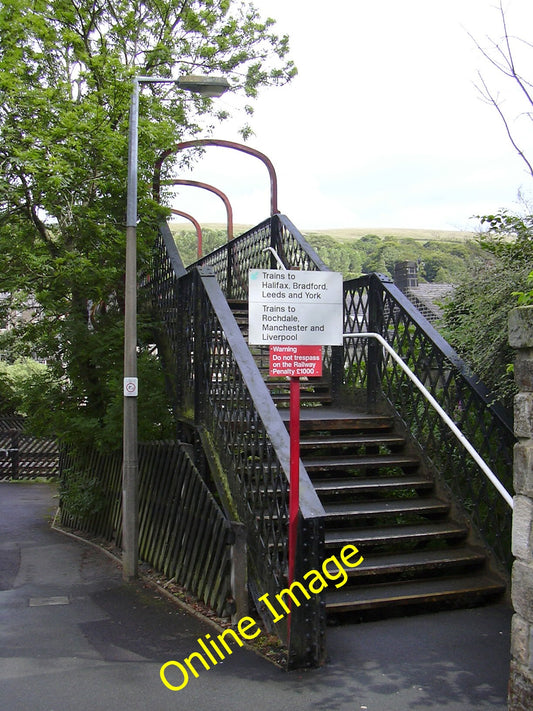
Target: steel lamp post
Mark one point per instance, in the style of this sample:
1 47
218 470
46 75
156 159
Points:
207 86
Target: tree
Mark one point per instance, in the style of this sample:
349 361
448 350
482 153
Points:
66 71
476 318
502 55
509 237
476 324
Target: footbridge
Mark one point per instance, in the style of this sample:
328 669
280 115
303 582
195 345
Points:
404 456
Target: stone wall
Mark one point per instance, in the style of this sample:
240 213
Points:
521 677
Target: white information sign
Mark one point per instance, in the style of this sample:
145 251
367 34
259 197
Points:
295 308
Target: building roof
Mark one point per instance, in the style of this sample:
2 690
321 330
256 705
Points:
429 298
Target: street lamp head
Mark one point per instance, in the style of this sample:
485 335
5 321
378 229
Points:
206 86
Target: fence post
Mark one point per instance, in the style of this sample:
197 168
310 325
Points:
337 370
239 571
200 361
521 677
375 352
275 241
14 453
231 258
180 354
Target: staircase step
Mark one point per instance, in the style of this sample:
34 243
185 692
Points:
386 507
236 304
360 462
333 440
412 533
424 592
419 561
304 383
331 420
356 485
284 398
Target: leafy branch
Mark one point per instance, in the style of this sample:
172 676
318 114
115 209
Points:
525 298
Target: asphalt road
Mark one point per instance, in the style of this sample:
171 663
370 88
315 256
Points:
73 637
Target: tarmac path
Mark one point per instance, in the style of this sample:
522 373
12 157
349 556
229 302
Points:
74 637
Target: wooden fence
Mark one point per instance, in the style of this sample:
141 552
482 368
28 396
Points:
183 532
23 456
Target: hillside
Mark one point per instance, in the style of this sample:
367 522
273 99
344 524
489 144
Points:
353 233
442 256
346 234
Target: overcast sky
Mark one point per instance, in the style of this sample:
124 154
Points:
383 126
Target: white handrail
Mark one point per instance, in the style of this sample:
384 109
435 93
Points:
451 424
276 257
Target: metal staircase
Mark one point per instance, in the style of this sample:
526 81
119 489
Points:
379 468
378 495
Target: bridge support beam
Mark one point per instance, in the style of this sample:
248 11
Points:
307 636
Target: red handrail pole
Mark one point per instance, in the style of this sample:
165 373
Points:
294 490
212 189
198 143
197 227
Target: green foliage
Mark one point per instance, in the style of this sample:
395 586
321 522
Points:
66 72
8 400
476 326
438 260
525 298
187 243
84 408
81 494
476 319
338 256
509 237
15 379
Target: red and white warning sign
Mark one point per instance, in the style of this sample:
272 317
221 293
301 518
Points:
296 361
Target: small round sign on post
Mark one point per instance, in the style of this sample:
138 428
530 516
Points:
131 387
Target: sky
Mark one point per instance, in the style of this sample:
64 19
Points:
384 125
